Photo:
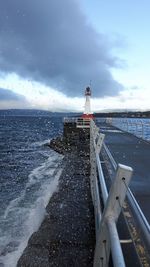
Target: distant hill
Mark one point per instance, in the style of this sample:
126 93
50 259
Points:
39 113
126 114
23 112
33 112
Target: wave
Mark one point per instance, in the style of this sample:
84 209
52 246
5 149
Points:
24 214
41 143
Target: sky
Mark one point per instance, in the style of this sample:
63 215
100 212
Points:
51 50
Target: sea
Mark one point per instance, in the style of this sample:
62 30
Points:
29 175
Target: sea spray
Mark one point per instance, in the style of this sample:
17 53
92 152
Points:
27 211
29 172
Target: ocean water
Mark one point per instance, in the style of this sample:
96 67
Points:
29 174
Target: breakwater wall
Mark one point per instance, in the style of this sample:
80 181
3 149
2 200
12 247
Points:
66 237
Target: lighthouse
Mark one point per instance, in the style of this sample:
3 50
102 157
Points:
87 110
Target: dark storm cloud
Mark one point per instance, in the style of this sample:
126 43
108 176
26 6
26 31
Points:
8 95
51 41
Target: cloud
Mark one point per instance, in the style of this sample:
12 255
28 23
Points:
128 99
9 99
8 95
38 96
52 42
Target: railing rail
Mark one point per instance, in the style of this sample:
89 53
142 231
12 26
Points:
70 119
140 217
106 232
139 127
80 122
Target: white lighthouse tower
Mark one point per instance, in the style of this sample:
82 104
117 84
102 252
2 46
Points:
87 110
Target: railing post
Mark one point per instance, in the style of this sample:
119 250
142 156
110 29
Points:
142 130
115 244
110 216
94 134
92 162
100 142
127 126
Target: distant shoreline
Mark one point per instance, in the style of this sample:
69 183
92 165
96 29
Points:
40 113
137 114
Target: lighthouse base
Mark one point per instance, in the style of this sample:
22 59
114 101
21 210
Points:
87 116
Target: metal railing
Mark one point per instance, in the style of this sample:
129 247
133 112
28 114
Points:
107 238
69 119
80 122
83 123
140 217
139 127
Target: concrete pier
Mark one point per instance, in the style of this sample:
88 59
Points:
132 151
67 234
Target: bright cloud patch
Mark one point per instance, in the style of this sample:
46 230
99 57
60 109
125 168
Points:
31 94
38 95
127 100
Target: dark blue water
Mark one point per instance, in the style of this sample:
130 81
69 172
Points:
29 173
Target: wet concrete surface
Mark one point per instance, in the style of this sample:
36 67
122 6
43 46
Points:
132 151
130 253
67 235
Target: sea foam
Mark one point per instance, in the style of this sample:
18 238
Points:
24 214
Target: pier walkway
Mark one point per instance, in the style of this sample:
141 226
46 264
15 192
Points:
132 151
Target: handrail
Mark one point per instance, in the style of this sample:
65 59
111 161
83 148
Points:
138 128
106 231
70 119
142 221
80 122
102 179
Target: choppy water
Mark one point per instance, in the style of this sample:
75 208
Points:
29 174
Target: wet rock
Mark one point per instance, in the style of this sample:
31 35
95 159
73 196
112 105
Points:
11 246
35 256
60 145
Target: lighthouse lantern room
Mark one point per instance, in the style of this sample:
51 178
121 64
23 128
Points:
87 110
